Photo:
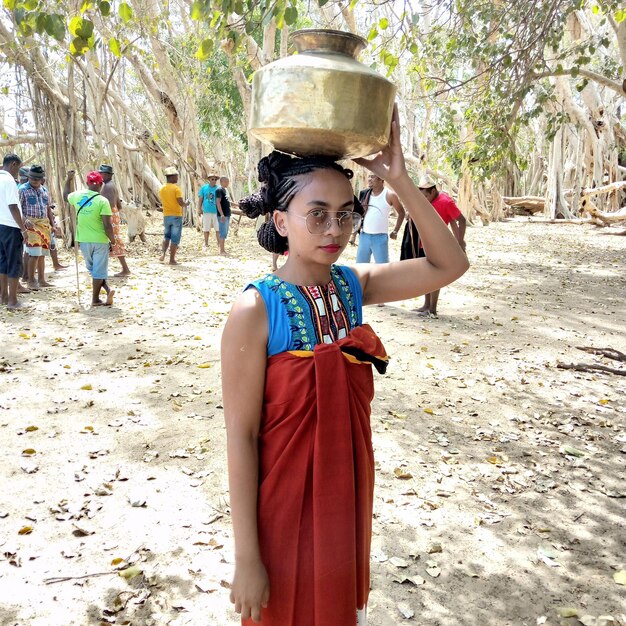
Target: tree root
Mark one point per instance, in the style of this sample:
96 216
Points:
584 367
609 353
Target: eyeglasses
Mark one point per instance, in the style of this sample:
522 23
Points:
319 221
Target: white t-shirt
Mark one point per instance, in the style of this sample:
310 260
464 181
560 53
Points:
376 219
8 195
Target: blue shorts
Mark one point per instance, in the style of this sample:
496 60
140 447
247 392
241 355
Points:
172 228
224 224
376 244
11 245
96 257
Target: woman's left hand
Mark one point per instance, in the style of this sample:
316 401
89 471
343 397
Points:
388 164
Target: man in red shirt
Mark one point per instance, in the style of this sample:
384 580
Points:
411 244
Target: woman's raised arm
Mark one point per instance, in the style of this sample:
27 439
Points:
445 260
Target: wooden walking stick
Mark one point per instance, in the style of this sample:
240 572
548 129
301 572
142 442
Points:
74 224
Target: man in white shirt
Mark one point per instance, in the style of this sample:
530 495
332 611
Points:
12 228
374 237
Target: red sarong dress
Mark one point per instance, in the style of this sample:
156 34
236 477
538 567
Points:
316 474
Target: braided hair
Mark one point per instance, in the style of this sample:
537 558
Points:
280 174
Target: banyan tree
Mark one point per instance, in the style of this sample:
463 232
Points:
512 106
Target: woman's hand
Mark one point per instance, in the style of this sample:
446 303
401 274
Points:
388 164
250 590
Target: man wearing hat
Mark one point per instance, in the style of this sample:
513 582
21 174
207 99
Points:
207 209
94 232
411 244
109 191
374 237
173 204
35 202
23 176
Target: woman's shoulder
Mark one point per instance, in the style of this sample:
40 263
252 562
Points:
246 330
248 309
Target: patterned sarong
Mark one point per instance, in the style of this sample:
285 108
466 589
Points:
118 248
38 236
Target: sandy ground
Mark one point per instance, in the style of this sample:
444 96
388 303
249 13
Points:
500 478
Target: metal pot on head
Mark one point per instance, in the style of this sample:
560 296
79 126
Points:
322 100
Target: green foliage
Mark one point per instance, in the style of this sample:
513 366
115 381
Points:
220 108
115 47
125 12
80 27
475 63
204 49
254 15
55 26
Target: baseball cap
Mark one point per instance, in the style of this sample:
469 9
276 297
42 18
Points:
94 178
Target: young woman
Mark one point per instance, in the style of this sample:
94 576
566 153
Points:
297 386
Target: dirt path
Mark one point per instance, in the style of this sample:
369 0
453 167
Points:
500 478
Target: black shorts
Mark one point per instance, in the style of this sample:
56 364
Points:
11 248
410 243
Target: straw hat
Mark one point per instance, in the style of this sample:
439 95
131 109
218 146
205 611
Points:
170 171
427 182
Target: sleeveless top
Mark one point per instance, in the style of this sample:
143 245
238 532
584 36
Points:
376 221
301 317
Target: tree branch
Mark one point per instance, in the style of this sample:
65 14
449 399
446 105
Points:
605 81
21 139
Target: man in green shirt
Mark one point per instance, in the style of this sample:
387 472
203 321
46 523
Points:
94 232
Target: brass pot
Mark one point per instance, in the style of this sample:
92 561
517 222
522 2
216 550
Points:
322 100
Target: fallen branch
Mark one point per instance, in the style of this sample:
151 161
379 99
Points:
574 220
583 367
62 579
551 220
525 201
609 353
594 191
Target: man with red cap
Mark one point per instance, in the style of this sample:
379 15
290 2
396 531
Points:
94 232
